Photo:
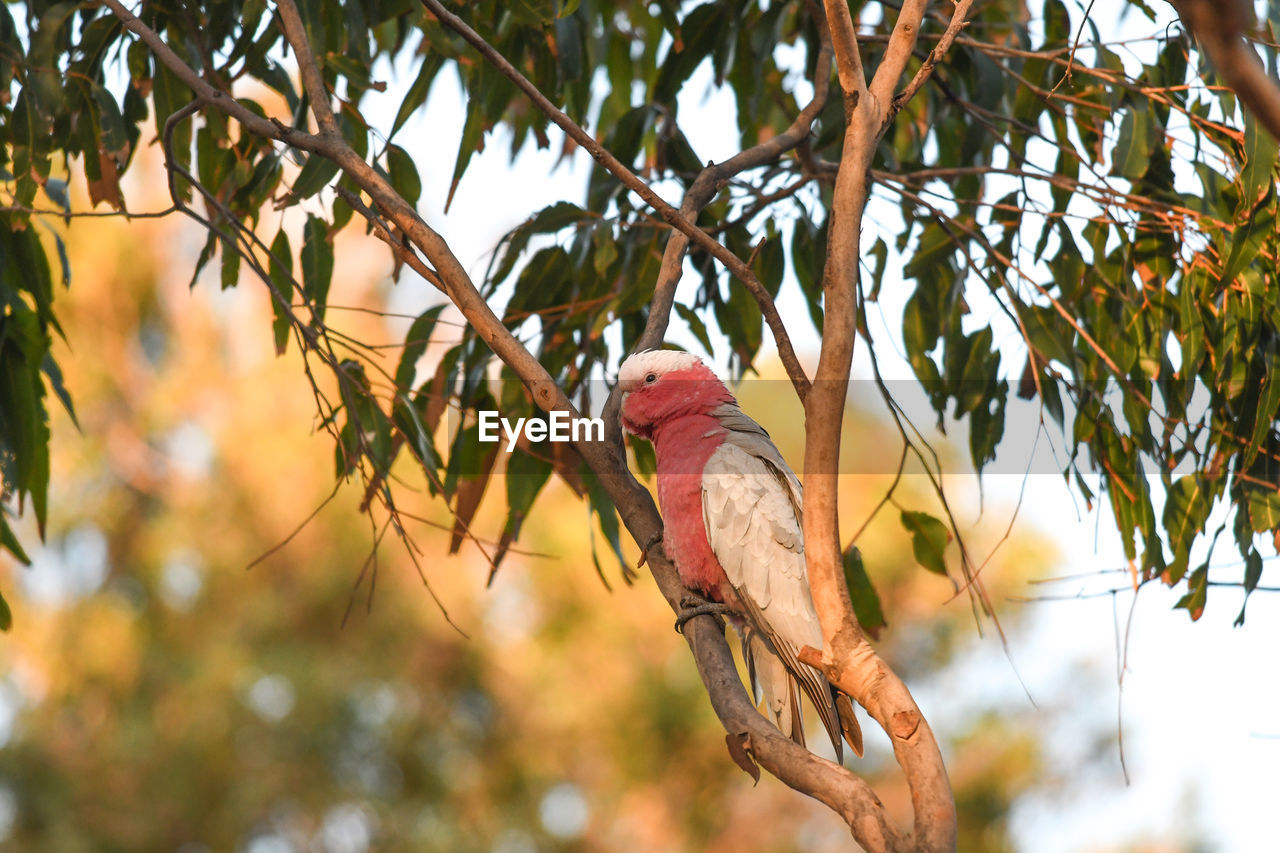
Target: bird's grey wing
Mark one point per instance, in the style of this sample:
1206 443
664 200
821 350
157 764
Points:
754 531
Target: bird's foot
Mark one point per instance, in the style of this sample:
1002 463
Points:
692 605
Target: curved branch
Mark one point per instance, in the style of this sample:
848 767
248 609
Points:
713 177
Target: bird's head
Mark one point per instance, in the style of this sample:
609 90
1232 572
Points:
658 385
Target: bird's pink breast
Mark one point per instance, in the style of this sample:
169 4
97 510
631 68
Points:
683 445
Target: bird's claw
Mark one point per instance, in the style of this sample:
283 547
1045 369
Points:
691 606
654 541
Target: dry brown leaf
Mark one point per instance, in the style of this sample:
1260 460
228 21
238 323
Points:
467 499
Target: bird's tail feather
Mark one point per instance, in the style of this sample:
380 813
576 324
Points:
773 684
848 722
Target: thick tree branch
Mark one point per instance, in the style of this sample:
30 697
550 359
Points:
673 217
902 43
1219 27
959 20
847 657
844 38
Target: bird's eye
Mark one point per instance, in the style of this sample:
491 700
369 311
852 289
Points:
652 377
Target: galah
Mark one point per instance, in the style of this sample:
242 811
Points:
731 510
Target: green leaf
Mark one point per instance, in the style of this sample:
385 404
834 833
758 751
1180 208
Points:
1132 152
1193 602
113 139
316 174
473 131
317 264
1266 410
408 420
808 251
50 369
603 509
526 475
880 252
771 264
701 29
415 345
1252 574
1186 508
170 95
920 329
1264 509
696 326
417 94
6 615
605 249
46 81
230 273
1247 241
929 538
935 245
866 601
1257 178
403 174
11 543
281 268
645 463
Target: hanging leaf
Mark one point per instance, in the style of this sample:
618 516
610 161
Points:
866 601
317 264
281 270
929 538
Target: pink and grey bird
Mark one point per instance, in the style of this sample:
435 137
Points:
731 509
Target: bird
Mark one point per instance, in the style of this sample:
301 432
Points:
732 526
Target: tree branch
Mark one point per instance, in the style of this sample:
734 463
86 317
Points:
1219 27
902 43
674 217
959 20
713 177
847 658
380 230
312 80
844 38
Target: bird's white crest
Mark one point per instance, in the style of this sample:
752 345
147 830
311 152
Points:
659 361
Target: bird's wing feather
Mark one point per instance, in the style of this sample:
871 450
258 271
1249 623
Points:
750 509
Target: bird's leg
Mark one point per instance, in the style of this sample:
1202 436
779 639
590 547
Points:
692 605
